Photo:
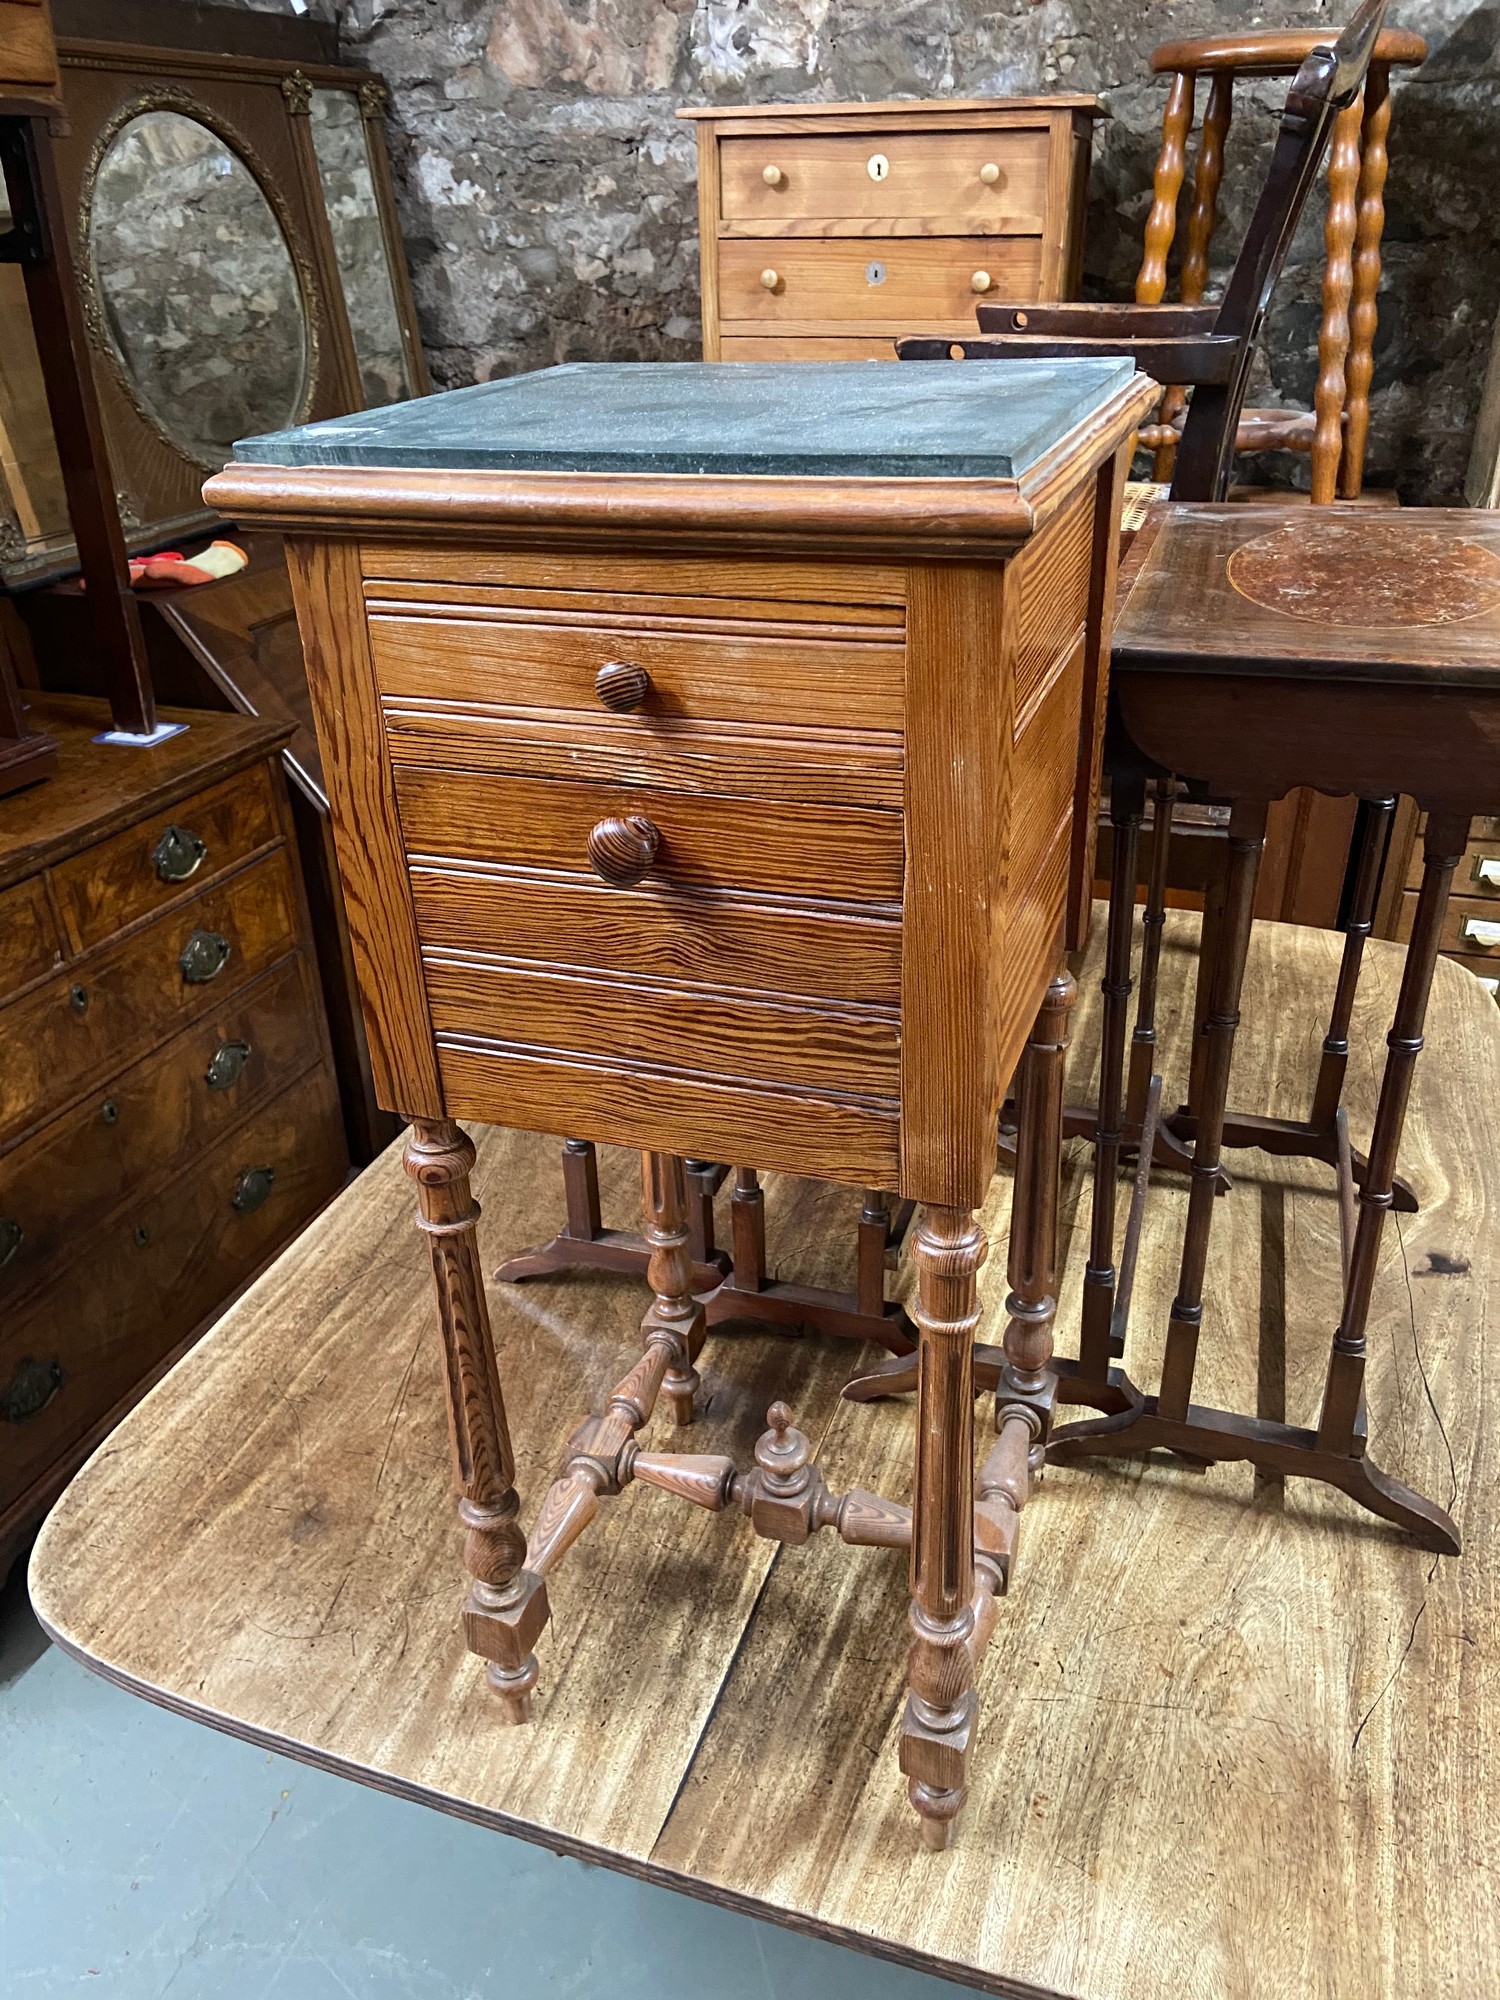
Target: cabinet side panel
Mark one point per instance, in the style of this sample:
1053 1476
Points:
366 829
707 136
958 710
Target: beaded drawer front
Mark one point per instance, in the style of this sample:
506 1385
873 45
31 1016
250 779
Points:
657 868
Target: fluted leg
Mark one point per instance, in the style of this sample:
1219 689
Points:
937 1728
506 1608
674 1310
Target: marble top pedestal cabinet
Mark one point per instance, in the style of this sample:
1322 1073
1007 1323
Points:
711 752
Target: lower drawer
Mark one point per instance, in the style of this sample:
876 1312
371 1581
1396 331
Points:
841 285
139 1285
141 1128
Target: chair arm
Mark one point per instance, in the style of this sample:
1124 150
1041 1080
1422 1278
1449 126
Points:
1083 320
1192 361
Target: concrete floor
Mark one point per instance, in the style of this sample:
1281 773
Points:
142 1855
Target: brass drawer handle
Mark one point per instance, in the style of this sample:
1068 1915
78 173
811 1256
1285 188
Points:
980 282
12 1236
622 685
1477 931
31 1389
226 1065
622 850
203 957
178 854
773 177
771 279
1487 871
251 1189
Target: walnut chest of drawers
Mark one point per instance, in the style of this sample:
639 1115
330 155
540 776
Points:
168 1115
828 230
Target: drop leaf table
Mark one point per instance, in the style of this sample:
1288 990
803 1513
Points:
707 749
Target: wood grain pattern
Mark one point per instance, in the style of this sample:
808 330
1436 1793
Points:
932 185
367 830
633 581
1181 1634
825 853
1171 167
824 284
957 830
102 1011
1338 284
728 940
702 1030
29 944
114 882
703 1119
699 668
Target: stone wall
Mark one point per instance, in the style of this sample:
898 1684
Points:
548 192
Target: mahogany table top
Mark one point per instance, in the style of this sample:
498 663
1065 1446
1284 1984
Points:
1238 1739
1394 595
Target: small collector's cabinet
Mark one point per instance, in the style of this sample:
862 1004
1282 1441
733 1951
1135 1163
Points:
168 1113
829 230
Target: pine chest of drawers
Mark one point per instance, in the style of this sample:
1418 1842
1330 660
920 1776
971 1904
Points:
168 1115
828 230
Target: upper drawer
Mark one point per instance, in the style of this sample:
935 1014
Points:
108 886
28 935
868 184
908 283
807 665
151 1121
94 1017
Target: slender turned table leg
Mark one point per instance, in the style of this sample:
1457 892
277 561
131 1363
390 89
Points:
1153 922
506 1608
1340 1423
1126 808
674 1310
1375 817
1027 1385
1247 836
937 1727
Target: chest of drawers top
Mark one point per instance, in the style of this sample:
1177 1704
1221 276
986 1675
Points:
700 739
826 230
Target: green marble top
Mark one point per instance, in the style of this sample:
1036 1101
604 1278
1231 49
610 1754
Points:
805 419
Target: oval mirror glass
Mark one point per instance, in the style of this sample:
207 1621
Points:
196 286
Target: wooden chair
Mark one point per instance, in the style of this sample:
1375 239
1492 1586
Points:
1335 431
1209 348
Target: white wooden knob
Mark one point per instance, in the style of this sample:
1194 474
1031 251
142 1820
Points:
1477 931
980 282
989 173
772 176
770 279
1487 871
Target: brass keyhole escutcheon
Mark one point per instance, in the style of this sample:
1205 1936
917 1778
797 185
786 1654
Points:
178 854
78 999
875 272
30 1389
12 1236
109 1112
140 1236
878 167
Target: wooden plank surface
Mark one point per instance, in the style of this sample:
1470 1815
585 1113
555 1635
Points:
1237 1739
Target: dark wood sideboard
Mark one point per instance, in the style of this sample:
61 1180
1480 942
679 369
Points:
169 1116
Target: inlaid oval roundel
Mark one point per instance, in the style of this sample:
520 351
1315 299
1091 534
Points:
1366 572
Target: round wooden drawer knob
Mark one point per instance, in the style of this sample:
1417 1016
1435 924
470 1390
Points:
989 173
770 279
773 177
622 850
622 685
980 282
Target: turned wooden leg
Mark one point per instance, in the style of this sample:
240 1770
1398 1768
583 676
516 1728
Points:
1247 837
874 1240
1027 1385
670 1275
506 1608
1339 1426
747 1221
1126 808
1373 831
1153 922
937 1727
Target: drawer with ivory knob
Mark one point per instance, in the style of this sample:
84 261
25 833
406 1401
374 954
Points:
904 183
908 284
